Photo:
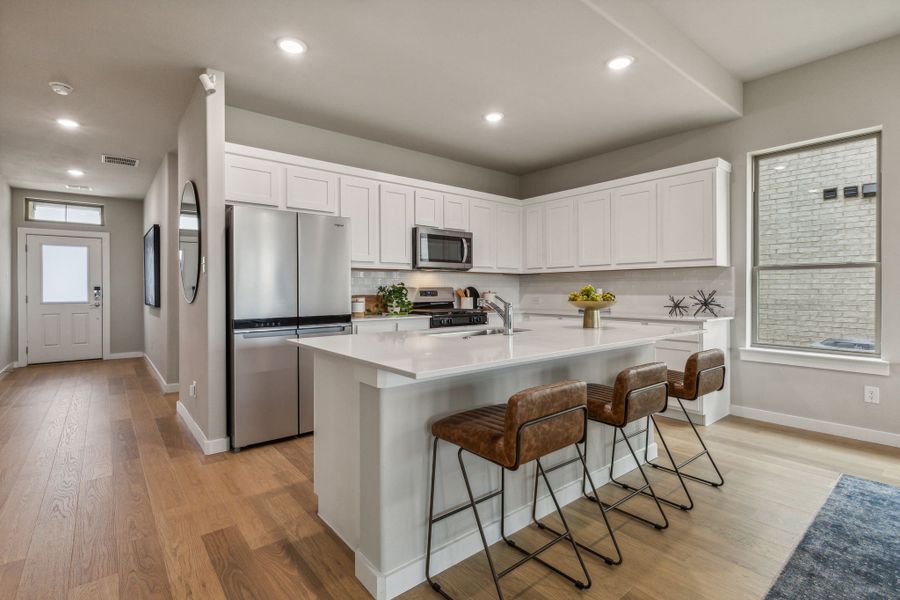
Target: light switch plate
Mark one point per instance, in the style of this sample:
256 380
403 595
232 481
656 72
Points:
871 394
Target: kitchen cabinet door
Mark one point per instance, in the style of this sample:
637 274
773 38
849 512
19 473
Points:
359 201
395 223
634 226
687 218
594 228
311 190
560 233
375 326
482 219
509 238
456 212
534 238
410 324
253 180
429 208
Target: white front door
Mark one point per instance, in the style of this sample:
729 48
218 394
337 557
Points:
64 298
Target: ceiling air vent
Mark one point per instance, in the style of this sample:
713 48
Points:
123 161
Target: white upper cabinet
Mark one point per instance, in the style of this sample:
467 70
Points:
359 201
634 226
534 238
559 239
311 190
456 212
687 218
594 229
482 224
429 208
509 238
395 222
253 180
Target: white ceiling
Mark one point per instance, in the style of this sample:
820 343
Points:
755 38
415 73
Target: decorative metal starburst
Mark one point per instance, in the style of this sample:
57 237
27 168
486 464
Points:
706 303
677 307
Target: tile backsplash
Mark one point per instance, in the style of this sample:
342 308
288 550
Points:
639 291
365 281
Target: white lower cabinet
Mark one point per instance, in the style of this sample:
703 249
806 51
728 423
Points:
396 219
482 224
391 324
359 202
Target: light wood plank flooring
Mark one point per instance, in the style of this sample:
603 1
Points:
103 494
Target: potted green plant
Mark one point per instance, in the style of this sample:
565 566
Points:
395 298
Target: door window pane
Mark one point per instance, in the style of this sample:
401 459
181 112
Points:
818 309
64 274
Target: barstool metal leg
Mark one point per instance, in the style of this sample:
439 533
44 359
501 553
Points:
659 434
634 491
585 477
704 452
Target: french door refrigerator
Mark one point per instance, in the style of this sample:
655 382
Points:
288 276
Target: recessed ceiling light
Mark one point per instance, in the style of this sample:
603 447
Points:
63 89
68 123
291 45
780 167
813 191
75 172
620 62
493 117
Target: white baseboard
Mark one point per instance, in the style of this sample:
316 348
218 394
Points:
208 446
167 388
120 355
848 431
8 368
384 586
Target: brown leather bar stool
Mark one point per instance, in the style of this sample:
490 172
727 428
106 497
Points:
638 392
704 373
532 424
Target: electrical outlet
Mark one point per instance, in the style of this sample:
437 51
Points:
870 394
192 391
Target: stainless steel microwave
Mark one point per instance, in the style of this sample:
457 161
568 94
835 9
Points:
441 249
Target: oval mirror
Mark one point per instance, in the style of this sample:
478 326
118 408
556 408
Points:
189 241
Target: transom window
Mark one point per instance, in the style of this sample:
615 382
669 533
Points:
64 212
817 252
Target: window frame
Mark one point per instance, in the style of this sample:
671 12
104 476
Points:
755 268
29 201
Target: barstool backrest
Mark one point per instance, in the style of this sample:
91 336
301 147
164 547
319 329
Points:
704 373
641 391
544 419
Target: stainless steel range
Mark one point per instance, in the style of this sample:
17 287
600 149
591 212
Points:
440 304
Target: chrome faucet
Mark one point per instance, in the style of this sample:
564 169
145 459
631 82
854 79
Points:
505 311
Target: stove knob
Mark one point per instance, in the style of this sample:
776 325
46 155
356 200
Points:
447 321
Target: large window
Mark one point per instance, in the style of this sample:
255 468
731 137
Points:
63 212
817 254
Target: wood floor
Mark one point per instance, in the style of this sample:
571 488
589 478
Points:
103 494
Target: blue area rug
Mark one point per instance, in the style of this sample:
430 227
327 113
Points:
851 550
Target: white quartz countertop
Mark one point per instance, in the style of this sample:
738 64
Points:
429 355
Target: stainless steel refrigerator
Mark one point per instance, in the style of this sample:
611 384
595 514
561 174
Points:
288 277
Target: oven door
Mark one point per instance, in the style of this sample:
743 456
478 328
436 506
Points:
441 249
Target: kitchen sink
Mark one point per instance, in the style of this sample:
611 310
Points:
477 332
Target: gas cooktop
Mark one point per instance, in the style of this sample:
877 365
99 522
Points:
438 303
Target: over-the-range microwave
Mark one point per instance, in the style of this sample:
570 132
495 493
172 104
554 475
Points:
441 249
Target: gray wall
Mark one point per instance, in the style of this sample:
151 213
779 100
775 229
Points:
161 324
201 350
124 221
847 92
7 341
271 133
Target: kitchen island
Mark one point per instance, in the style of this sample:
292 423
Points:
376 396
